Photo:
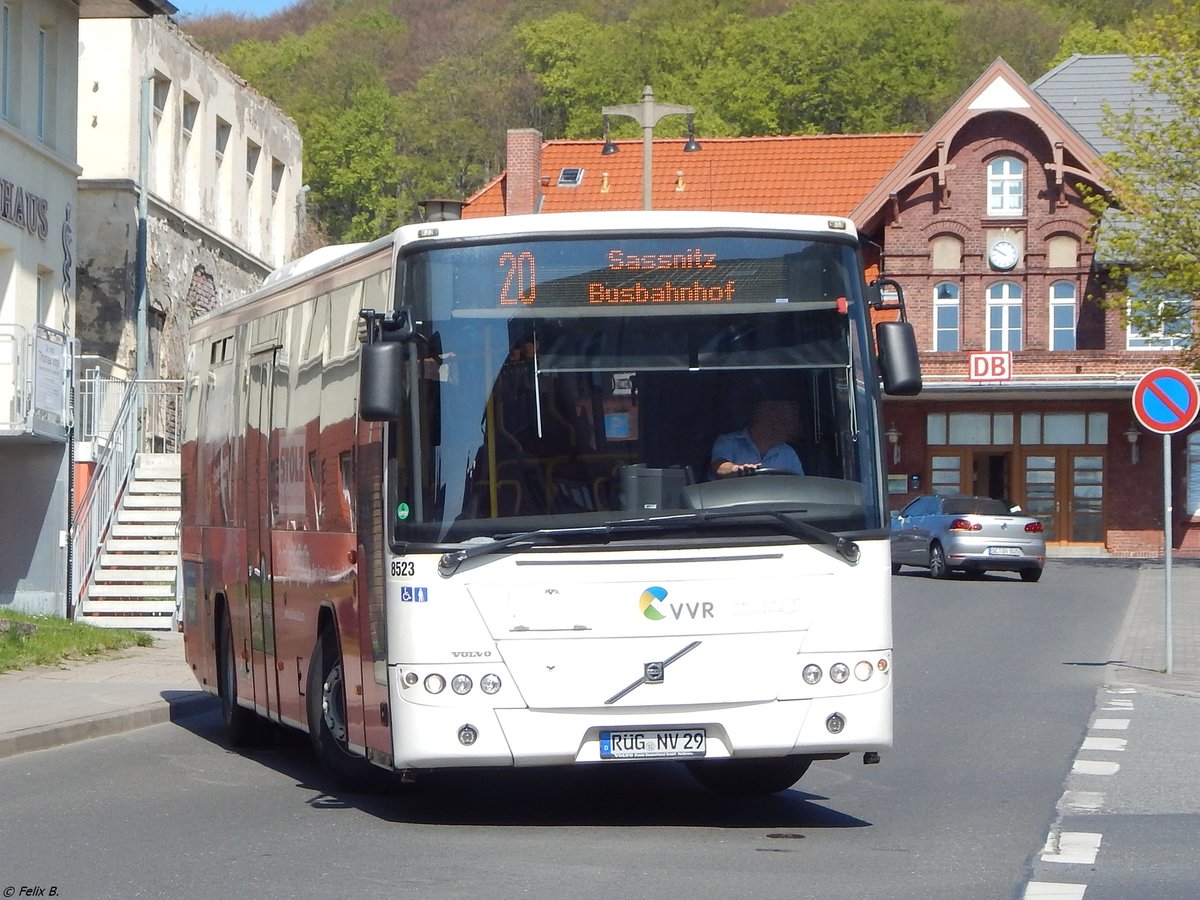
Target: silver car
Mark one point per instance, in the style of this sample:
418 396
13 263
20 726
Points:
968 534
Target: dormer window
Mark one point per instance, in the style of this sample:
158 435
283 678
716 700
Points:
1006 187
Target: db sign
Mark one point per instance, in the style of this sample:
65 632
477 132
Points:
995 366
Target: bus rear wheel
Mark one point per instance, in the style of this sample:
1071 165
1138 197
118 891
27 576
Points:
749 777
243 728
326 707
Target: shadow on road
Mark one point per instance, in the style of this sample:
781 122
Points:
638 794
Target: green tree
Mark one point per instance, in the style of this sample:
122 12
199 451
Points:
837 66
1151 222
1087 39
330 80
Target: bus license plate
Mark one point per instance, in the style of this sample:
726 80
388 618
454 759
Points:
666 744
1004 551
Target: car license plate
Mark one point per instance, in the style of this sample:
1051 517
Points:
664 744
1004 551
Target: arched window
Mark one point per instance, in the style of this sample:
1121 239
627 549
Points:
1006 187
1062 315
1004 316
945 316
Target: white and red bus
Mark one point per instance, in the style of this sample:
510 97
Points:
448 498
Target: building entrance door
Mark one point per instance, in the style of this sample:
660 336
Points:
1064 487
990 475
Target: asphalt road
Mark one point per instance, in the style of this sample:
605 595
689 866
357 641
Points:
996 682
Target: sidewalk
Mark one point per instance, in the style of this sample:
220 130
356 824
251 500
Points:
46 707
1140 654
52 705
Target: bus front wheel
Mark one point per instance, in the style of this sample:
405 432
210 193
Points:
749 777
326 707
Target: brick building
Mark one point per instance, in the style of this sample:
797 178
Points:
1028 378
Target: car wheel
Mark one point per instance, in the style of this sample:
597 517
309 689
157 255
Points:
937 562
1031 574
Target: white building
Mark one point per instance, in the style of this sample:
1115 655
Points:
39 226
224 197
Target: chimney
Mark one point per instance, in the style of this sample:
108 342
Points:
523 180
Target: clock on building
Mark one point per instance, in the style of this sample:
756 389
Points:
1003 255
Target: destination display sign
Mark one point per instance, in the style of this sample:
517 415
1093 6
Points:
646 272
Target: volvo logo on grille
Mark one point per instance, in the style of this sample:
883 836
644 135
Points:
654 673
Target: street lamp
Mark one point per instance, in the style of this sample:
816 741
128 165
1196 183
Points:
648 113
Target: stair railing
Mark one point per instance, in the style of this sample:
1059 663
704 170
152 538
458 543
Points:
114 458
148 419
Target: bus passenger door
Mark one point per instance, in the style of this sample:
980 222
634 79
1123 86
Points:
260 582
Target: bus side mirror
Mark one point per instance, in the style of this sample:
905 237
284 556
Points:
380 391
899 362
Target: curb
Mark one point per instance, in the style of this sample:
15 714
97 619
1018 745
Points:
46 737
1179 685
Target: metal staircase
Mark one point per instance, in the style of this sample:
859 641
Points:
134 580
125 544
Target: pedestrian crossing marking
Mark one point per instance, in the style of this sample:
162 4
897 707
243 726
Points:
1094 767
1073 847
1051 890
1115 745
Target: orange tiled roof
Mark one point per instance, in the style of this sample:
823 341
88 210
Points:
827 174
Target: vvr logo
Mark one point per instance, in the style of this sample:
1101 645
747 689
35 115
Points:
652 604
651 597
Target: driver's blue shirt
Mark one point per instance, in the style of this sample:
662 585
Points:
737 447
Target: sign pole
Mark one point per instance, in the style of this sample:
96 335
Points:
1167 541
1166 401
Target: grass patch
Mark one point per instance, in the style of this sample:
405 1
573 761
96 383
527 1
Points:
46 640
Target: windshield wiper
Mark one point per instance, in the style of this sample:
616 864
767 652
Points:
452 559
844 547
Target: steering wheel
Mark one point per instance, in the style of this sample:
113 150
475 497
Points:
769 470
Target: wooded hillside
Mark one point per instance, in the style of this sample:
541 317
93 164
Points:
403 100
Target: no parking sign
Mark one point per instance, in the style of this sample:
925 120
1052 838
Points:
1166 400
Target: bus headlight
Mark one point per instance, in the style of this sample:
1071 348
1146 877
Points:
461 684
839 672
863 670
811 673
435 684
489 683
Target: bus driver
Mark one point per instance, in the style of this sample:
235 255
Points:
762 444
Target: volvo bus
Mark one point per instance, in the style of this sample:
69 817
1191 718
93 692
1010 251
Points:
449 498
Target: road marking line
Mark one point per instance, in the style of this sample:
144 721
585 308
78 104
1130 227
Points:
1114 705
1094 767
1050 890
1080 801
1127 690
1076 847
1111 724
1104 743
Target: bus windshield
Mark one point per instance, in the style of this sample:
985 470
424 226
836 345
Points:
567 382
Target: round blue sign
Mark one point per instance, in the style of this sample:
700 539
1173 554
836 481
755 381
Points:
1166 400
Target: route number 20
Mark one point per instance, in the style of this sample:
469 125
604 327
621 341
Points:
520 278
